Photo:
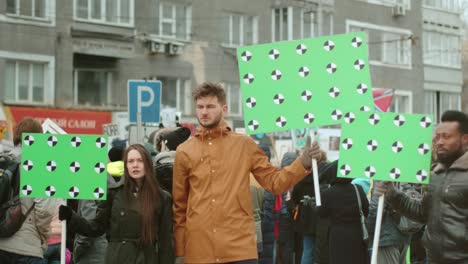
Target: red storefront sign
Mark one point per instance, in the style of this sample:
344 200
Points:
72 121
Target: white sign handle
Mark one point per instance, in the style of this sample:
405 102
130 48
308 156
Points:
139 128
378 224
315 176
63 242
318 199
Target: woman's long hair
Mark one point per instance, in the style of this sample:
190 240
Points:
149 195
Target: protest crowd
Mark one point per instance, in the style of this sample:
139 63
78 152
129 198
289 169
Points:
213 196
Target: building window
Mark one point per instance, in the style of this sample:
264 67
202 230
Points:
92 87
31 9
234 99
290 23
176 93
437 102
396 49
116 12
450 5
402 102
327 22
174 21
405 3
441 49
387 46
239 30
26 81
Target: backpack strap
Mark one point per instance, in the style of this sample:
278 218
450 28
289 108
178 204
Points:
29 210
365 234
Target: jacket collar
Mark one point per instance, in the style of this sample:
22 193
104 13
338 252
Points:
219 131
165 157
460 164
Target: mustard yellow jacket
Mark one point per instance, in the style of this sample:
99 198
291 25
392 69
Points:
213 214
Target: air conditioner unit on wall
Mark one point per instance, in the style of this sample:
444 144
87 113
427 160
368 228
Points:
399 10
157 47
175 48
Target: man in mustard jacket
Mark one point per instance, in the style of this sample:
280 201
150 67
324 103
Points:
213 215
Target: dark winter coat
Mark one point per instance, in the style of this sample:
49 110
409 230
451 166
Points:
122 221
163 167
340 204
306 215
444 210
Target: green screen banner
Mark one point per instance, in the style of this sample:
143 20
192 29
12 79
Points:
387 146
64 166
304 83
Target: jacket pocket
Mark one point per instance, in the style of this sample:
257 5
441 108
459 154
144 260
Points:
245 203
457 194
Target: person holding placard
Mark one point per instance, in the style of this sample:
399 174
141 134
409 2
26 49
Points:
137 215
345 204
393 244
29 243
92 250
444 207
213 214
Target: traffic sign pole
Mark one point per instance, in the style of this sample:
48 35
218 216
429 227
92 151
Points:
139 128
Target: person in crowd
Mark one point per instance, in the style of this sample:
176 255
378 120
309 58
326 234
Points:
364 183
327 174
53 253
346 242
213 214
158 138
277 225
305 213
164 160
393 244
136 215
444 206
92 250
116 167
29 243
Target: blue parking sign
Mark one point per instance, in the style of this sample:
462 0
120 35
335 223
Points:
144 97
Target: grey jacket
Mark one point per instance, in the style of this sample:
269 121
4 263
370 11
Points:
89 250
31 238
444 209
389 233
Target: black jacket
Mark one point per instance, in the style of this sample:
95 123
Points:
123 223
444 209
306 215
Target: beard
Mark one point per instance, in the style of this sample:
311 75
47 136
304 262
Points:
212 124
449 158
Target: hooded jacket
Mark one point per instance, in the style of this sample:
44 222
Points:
213 214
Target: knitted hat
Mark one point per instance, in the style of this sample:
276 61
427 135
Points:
116 153
174 138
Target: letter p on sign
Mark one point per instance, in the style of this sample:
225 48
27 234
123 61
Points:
144 97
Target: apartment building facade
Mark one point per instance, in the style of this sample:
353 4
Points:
442 55
74 58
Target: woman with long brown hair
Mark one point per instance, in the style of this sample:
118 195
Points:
137 216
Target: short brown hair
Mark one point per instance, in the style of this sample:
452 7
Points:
27 125
210 89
